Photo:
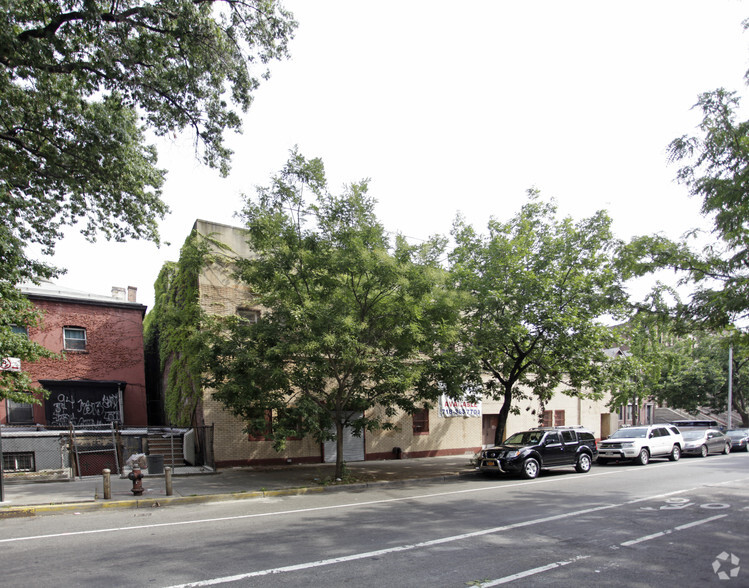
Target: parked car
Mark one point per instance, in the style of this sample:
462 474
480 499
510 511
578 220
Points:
528 452
702 442
739 439
641 443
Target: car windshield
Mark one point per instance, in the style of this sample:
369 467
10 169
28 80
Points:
738 433
525 438
630 433
691 435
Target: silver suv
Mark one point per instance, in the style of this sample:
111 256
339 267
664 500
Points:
641 443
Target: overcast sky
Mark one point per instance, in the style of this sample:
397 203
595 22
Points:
461 107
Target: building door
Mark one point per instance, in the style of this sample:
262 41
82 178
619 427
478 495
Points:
488 429
353 447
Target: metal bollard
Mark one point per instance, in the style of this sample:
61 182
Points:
168 478
107 484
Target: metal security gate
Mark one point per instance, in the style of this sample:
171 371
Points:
353 447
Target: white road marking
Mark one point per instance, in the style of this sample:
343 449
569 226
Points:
669 531
431 543
532 572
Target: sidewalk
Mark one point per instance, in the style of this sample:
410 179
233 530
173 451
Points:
29 499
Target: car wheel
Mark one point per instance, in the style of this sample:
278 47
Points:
727 449
703 451
602 461
583 463
530 469
643 458
675 453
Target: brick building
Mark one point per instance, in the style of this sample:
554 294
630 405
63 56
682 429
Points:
100 376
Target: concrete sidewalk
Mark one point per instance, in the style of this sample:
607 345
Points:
29 499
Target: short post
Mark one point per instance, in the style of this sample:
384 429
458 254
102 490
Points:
107 484
168 478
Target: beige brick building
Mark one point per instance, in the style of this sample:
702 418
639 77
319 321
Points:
428 433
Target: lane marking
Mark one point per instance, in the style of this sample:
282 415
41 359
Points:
348 505
532 572
669 531
423 544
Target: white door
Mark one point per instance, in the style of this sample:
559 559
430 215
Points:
353 447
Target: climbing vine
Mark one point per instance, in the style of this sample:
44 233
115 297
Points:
173 330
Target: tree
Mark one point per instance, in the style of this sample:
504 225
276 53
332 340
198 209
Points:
646 340
80 81
697 376
352 326
536 286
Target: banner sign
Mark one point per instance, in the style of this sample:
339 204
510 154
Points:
449 407
10 364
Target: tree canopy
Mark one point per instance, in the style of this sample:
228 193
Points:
350 321
80 83
536 287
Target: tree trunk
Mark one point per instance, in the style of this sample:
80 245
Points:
504 412
339 450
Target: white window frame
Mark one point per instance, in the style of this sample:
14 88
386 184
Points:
66 339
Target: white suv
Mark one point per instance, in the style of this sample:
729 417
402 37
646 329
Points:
641 443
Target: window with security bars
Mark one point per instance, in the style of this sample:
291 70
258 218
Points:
18 462
74 338
249 315
421 422
553 418
19 413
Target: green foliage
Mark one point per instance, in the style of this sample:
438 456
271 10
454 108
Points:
350 321
80 80
697 374
536 286
173 329
647 340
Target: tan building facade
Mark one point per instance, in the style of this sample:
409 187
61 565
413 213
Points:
444 429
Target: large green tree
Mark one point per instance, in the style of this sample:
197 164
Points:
537 286
80 82
697 374
352 325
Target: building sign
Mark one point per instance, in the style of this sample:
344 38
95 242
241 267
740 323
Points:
450 407
10 364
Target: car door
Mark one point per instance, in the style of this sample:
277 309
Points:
715 442
553 450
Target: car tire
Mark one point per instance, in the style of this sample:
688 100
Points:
727 449
675 453
643 457
531 469
704 451
583 464
602 461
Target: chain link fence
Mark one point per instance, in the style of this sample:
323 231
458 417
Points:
47 454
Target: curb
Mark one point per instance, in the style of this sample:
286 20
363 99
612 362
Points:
157 502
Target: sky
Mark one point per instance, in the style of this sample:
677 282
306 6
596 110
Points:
460 107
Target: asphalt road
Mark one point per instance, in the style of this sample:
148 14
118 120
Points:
670 524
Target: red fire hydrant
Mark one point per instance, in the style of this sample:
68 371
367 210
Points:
136 476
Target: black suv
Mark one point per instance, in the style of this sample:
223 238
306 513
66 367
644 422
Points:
528 452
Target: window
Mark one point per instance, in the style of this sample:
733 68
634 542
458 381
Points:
248 314
548 418
558 418
421 422
19 413
568 437
261 427
19 330
74 338
18 462
552 439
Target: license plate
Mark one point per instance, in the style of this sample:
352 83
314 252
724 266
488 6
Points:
490 462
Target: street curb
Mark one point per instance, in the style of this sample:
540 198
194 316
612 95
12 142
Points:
161 501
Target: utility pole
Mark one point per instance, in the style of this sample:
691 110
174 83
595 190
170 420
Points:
730 385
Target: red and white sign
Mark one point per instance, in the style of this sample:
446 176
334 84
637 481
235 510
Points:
450 407
10 364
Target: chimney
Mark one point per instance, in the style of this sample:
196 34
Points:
118 293
131 293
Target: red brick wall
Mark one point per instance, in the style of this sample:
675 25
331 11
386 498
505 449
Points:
114 351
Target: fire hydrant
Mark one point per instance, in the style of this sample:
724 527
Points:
136 476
